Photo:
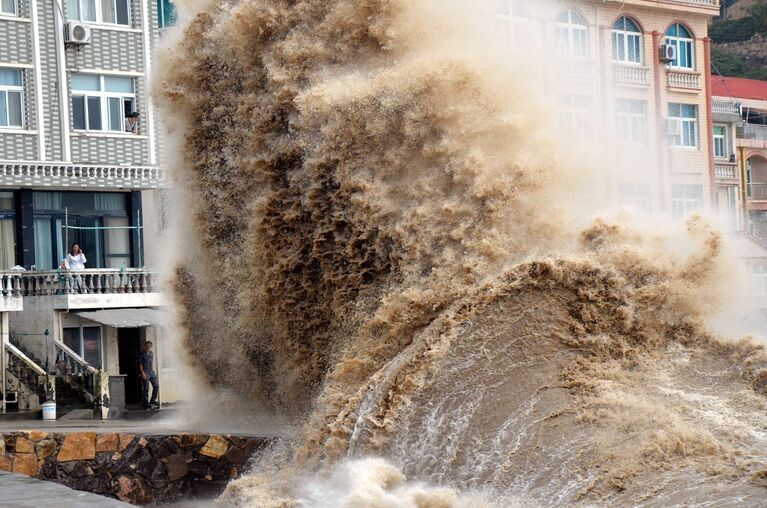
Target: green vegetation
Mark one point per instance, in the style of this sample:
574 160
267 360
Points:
727 63
741 29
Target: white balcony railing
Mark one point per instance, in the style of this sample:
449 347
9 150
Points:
50 174
631 74
62 282
579 70
726 170
686 80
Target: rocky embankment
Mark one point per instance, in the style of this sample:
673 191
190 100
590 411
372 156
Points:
132 468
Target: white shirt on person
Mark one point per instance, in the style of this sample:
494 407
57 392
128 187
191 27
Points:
76 262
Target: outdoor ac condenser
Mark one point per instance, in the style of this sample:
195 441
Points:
76 32
667 53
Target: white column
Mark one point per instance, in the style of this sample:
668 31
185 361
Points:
146 25
39 109
61 79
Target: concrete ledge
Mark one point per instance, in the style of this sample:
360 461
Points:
106 301
133 468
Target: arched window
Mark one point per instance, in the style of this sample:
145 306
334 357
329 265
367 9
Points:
627 41
678 35
573 34
512 23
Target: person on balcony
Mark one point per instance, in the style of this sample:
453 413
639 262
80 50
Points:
75 262
146 369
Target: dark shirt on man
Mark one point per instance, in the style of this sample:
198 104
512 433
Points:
146 360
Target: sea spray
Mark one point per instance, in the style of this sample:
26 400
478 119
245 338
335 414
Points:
388 250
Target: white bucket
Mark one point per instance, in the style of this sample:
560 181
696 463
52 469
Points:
49 410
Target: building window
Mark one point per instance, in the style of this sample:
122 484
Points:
112 12
634 196
627 41
576 114
683 125
686 199
720 142
677 35
7 230
101 103
631 120
86 342
8 7
11 98
573 34
166 13
98 221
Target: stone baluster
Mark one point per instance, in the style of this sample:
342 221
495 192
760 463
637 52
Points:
16 282
97 283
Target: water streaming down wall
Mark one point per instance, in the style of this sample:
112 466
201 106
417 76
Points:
383 244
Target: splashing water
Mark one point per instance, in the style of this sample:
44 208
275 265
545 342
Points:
384 246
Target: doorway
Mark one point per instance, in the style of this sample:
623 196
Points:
128 349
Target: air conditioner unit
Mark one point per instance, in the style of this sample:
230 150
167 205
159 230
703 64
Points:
667 53
673 127
76 32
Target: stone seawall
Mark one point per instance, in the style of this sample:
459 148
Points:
138 469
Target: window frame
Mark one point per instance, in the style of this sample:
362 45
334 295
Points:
577 120
103 97
634 122
679 42
161 22
723 138
99 15
569 28
686 122
683 203
6 90
15 12
626 35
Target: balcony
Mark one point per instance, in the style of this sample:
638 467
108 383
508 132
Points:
725 110
631 75
577 70
101 288
751 135
684 80
726 171
80 176
708 7
757 191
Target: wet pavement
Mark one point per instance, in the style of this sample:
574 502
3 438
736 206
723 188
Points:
18 491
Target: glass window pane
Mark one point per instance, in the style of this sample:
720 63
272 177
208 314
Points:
14 109
115 118
7 243
94 113
71 339
117 242
111 202
93 242
10 77
88 10
122 12
118 84
43 245
6 200
73 9
86 83
92 345
78 112
47 201
8 6
3 109
107 11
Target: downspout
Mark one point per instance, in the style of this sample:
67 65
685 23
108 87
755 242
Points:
146 23
743 190
710 122
61 80
660 118
39 109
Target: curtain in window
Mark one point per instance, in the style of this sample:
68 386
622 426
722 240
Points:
73 9
8 6
117 242
6 201
110 202
107 11
88 10
7 243
44 245
47 201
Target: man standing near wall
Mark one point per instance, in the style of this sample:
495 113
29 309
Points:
146 369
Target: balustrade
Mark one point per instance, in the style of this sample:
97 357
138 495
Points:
679 79
757 191
725 170
62 282
631 74
19 173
